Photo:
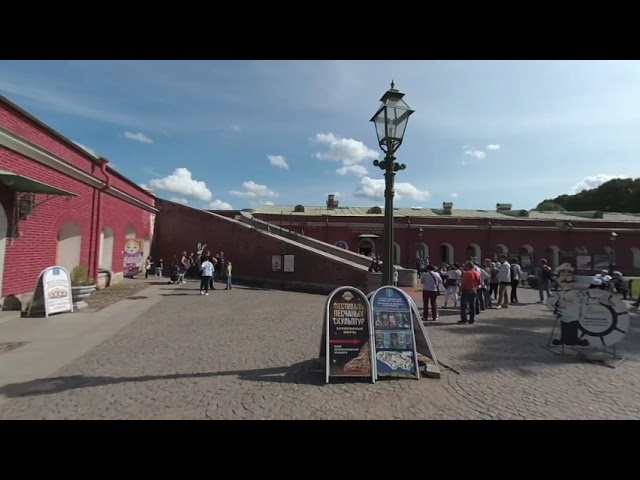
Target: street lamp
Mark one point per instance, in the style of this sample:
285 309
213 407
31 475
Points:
391 122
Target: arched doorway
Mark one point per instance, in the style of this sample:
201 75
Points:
106 248
473 251
3 242
366 247
147 246
422 251
501 250
69 246
553 256
526 257
131 233
396 254
446 253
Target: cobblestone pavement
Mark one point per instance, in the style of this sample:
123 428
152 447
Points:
247 354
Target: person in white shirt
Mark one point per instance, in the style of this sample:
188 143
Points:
206 269
431 282
482 289
516 273
504 278
451 285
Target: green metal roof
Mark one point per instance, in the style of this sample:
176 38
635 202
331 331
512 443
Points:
21 183
455 213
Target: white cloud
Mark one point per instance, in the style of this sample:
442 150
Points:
338 195
145 186
373 189
278 161
357 170
180 182
493 146
220 205
593 182
268 203
86 149
254 190
183 201
454 195
479 154
349 151
138 137
231 131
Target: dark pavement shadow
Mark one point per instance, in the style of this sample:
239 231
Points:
301 373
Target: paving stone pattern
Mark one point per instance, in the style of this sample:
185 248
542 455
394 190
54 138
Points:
248 354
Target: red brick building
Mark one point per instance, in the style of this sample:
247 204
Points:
61 205
449 234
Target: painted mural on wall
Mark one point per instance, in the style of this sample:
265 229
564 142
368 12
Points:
133 257
590 318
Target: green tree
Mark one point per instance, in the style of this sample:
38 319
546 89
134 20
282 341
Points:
616 195
549 206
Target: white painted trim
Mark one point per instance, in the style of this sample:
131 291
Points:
13 142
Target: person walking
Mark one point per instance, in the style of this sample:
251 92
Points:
544 275
431 282
229 268
469 284
205 279
504 278
516 273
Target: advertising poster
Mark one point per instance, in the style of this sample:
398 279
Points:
393 328
52 293
276 263
56 284
348 335
133 257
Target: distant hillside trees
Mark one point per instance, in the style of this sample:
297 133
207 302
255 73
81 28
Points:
616 195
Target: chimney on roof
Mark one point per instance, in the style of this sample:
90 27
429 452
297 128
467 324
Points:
447 207
331 203
503 207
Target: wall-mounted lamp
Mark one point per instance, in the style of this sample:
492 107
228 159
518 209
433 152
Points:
26 203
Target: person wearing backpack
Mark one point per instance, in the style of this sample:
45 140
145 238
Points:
544 276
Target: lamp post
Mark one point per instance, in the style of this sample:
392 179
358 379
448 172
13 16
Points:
391 122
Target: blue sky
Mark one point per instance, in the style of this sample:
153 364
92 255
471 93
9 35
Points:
245 133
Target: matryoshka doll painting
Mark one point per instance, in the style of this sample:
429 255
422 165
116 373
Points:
133 257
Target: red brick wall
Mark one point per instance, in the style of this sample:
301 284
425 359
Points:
16 122
340 229
36 248
181 228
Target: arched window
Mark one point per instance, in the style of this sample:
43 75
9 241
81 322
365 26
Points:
342 244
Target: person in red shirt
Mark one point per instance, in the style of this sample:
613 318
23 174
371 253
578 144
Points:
469 284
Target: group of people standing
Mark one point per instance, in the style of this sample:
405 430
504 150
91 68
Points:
475 287
205 266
